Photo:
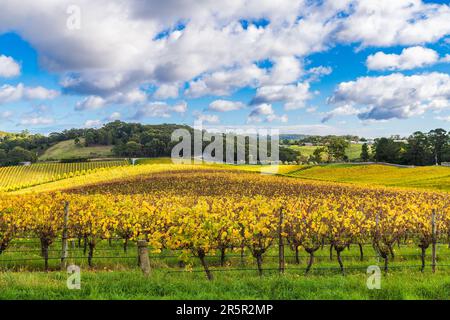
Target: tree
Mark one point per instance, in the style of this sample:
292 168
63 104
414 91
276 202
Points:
18 154
287 154
387 150
154 148
439 142
319 155
418 151
77 142
3 157
365 155
133 149
336 148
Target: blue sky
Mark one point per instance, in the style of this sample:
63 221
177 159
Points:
372 68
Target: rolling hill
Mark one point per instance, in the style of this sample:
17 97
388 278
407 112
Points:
68 149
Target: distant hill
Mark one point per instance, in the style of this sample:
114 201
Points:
68 150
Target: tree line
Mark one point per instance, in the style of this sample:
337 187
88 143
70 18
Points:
419 149
138 140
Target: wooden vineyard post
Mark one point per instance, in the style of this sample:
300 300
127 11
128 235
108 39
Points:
144 260
434 240
281 243
65 237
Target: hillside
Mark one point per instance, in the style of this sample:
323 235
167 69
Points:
353 152
68 149
430 178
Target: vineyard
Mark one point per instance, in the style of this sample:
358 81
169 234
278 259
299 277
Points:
207 212
19 177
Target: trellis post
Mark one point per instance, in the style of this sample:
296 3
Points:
64 250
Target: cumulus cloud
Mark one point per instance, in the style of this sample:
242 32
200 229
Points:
8 67
387 23
166 91
410 58
98 102
395 95
159 109
265 113
222 83
11 93
345 110
90 103
140 42
225 105
207 118
293 96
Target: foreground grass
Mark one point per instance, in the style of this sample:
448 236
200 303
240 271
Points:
236 285
115 275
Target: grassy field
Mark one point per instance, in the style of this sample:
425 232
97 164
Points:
353 152
430 178
121 279
68 149
133 285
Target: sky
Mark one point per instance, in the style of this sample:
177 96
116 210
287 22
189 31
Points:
366 67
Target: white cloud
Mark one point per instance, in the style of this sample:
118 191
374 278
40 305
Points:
126 98
225 105
159 109
446 58
222 83
265 113
385 23
395 95
35 121
317 72
410 58
10 93
207 118
344 110
293 96
93 123
8 67
119 46
90 103
167 91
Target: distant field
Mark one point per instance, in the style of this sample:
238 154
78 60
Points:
154 161
68 149
353 152
19 177
432 178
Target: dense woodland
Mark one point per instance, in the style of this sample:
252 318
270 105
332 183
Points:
138 140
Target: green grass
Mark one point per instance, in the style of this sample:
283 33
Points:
68 149
353 152
154 161
121 278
